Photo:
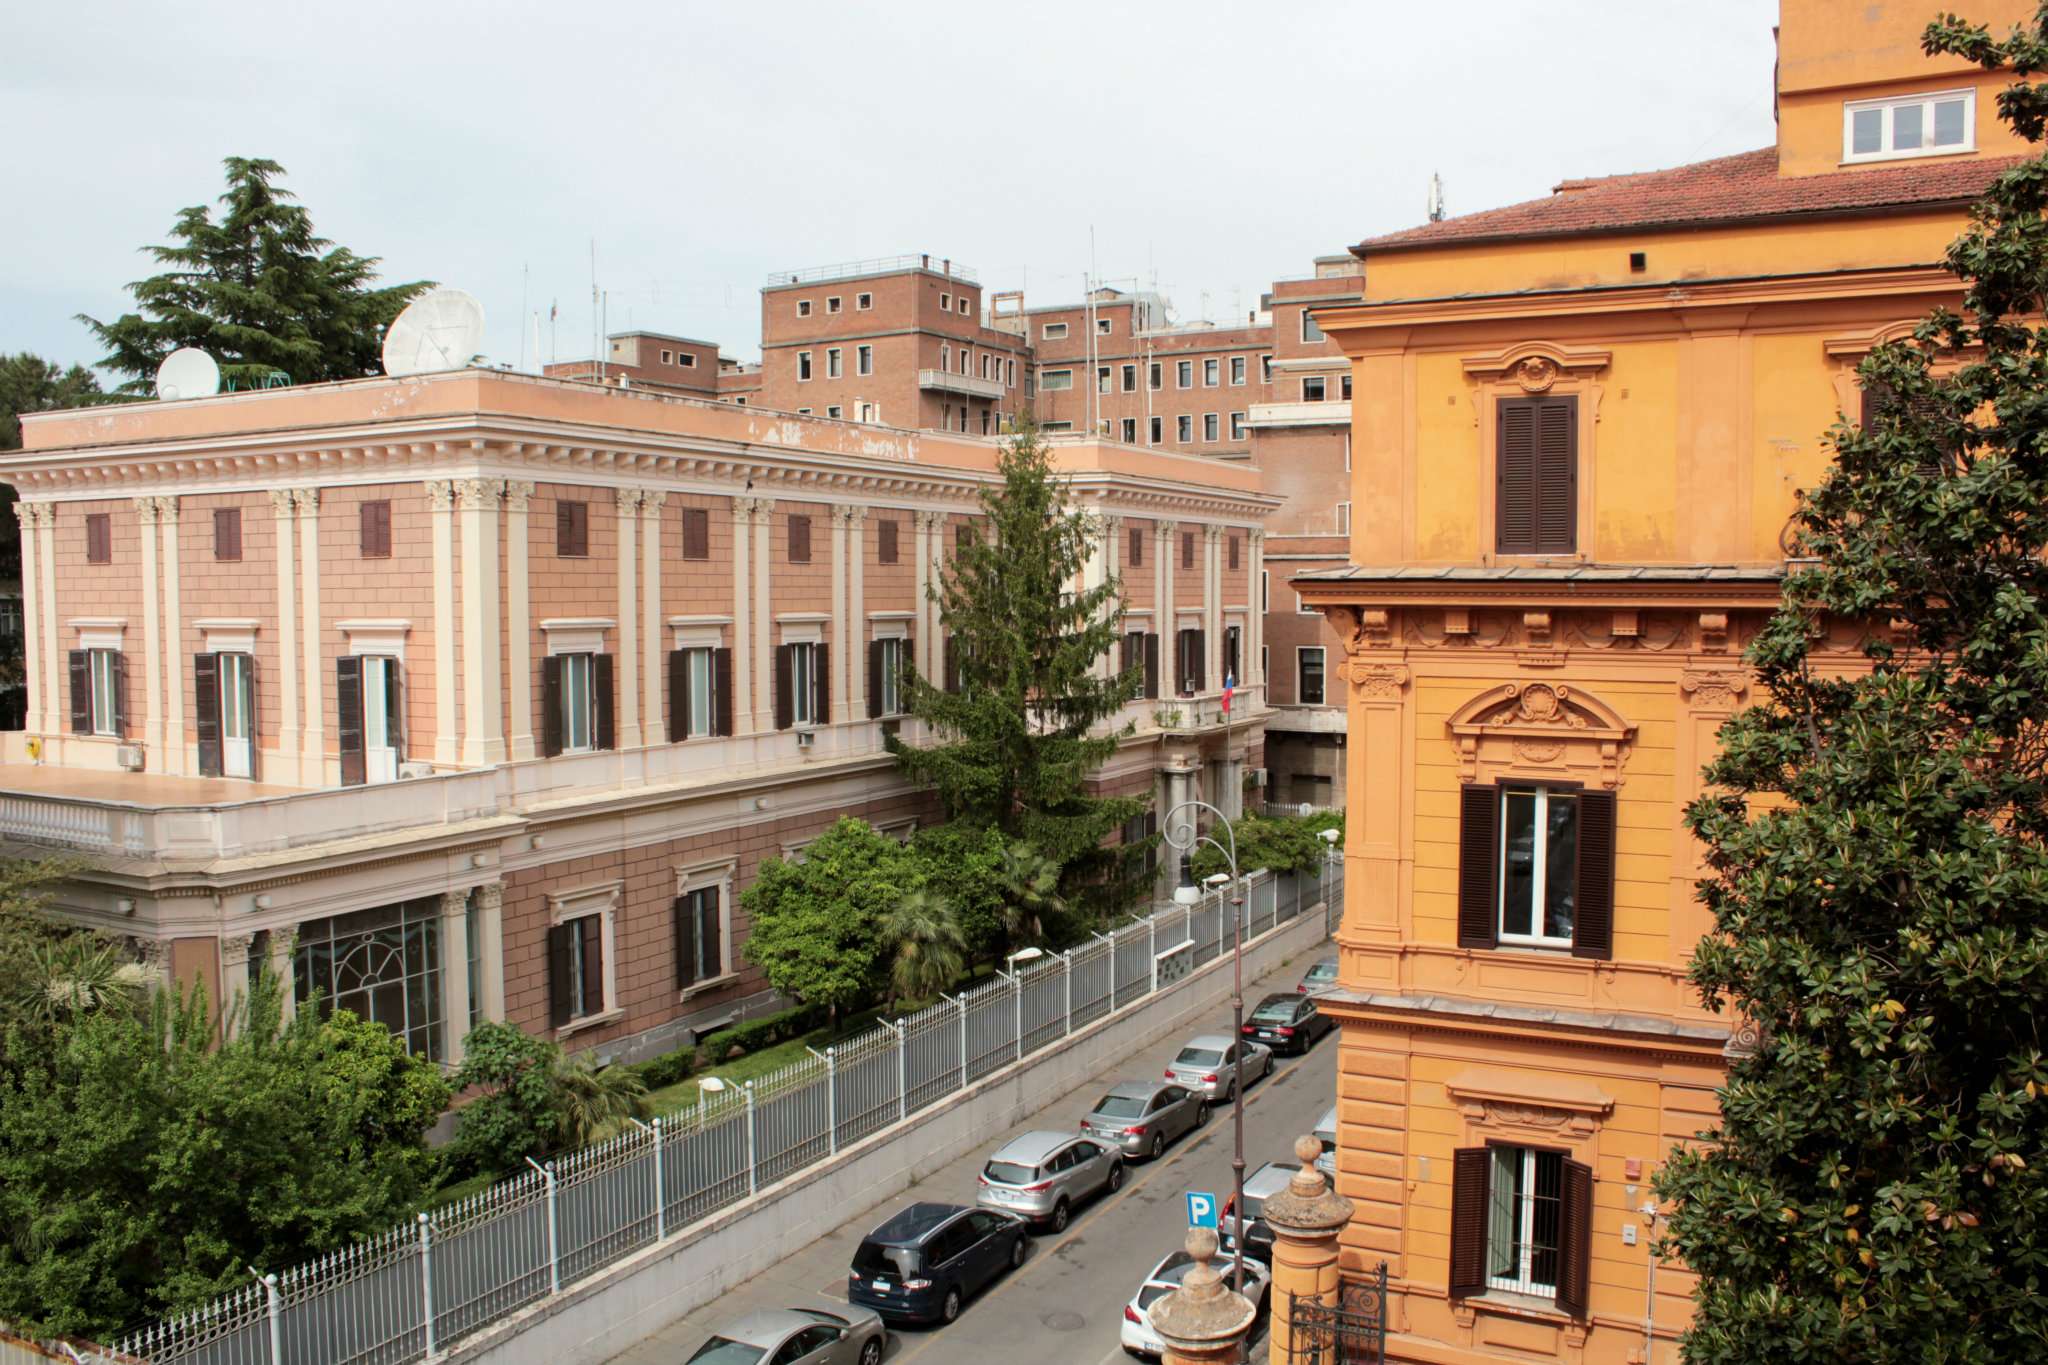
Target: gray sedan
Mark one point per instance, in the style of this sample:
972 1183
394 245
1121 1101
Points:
1141 1117
1212 1065
797 1336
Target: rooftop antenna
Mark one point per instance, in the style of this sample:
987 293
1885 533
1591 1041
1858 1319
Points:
439 330
1436 198
187 372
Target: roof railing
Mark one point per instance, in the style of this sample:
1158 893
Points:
880 265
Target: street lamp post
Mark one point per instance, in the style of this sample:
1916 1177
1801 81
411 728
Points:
1186 839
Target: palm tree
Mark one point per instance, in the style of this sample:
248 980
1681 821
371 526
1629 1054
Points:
591 1100
925 946
76 975
1031 894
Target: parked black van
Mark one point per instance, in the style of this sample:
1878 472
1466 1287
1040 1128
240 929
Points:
928 1259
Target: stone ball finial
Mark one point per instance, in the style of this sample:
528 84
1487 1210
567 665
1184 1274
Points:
1307 1149
1203 1314
1201 1243
1308 1204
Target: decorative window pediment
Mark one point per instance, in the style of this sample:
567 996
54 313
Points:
1536 365
1542 725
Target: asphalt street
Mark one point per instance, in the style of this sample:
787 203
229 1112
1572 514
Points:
1065 1305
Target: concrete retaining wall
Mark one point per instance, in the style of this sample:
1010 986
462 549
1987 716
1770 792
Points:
590 1322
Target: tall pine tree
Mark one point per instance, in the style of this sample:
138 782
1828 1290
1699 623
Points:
1022 716
1878 1187
256 289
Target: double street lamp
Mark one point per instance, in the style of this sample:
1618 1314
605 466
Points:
1185 839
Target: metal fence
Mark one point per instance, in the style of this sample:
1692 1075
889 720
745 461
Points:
408 1293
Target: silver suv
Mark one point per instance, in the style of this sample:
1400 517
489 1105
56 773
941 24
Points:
1041 1176
1212 1065
1143 1116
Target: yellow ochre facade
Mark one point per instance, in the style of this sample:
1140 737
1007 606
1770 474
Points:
1579 426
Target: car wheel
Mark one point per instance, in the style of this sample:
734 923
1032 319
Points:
1201 1113
1267 1069
1116 1176
1017 1247
949 1311
1060 1214
871 1354
1158 1145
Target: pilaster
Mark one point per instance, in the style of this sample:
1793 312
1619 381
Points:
519 618
174 758
490 949
842 638
925 648
482 695
234 982
628 500
1212 606
651 671
1102 568
1255 615
284 948
313 767
454 929
289 745
764 653
53 653
1167 543
441 513
27 514
855 667
152 636
742 613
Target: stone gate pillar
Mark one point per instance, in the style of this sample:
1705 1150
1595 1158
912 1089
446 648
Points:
1203 1322
1307 1219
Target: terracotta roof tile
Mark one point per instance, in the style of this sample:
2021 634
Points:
1744 186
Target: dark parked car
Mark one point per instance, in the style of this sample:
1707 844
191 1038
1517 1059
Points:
1288 1023
925 1262
1141 1117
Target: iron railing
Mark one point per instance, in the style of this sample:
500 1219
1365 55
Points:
406 1294
1351 1331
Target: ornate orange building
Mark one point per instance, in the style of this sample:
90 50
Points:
1578 427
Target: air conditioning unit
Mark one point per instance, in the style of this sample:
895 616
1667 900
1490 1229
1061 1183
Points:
1257 776
408 771
130 757
806 738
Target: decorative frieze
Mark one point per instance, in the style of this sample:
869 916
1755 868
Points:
1714 689
1541 723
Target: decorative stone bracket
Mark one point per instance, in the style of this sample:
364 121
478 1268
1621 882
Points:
1504 1100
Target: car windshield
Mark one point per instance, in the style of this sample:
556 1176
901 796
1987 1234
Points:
1008 1172
1151 1294
1275 1009
1198 1056
1121 1106
1323 971
874 1258
725 1351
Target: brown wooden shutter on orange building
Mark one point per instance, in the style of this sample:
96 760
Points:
1593 909
721 691
99 538
678 695
227 533
1187 549
785 693
1478 859
1137 547
375 530
81 692
601 689
561 969
1469 1170
885 542
696 533
572 529
206 706
551 706
348 706
1575 1240
1536 475
799 540
684 910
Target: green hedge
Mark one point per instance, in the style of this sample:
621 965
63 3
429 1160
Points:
749 1036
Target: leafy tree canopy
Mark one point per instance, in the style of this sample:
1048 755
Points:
1281 844
1029 721
531 1098
814 922
1878 1185
964 864
259 290
29 383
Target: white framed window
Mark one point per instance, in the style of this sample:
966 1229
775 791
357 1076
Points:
579 703
582 972
1011 365
1130 430
966 360
945 358
1265 369
1309 330
1265 590
1539 851
703 930
1524 1219
1054 381
1053 331
104 670
1344 518
867 412
945 303
1129 378
1308 674
667 357
832 304
1212 372
1055 426
1344 388
686 359
803 685
891 654
1211 426
832 362
803 308
966 308
1237 426
1102 326
1184 373
1102 379
863 302
1158 431
1155 378
1314 388
863 360
835 411
803 367
1913 125
697 685
1184 428
1237 368
237 714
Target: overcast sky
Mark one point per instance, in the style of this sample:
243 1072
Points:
1213 147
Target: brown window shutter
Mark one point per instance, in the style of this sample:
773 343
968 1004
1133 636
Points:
374 531
395 671
1233 552
678 695
696 533
227 533
1478 865
1515 477
1557 468
255 721
821 684
1198 661
121 696
601 688
799 540
99 538
561 966
785 703
1575 1240
1125 649
721 691
874 679
550 706
710 943
885 542
591 929
1137 547
81 692
1187 549
1470 1167
686 941
206 705
1593 908
572 529
1152 667
348 707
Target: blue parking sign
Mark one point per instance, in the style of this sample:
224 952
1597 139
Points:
1201 1210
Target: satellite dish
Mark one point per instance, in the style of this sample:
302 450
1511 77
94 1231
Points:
439 330
187 372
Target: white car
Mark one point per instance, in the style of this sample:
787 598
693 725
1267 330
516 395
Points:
1138 1337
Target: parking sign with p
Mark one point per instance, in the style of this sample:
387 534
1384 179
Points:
1201 1210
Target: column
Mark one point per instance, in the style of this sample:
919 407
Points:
482 697
519 618
1102 567
628 500
234 982
742 603
1307 1219
1168 546
152 636
53 648
1255 614
441 513
652 674
925 648
289 746
1205 1321
842 637
454 974
490 949
284 947
1230 774
857 608
174 642
313 770
764 675
1212 607
27 514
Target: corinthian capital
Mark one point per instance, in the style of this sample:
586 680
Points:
440 494
516 494
478 493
